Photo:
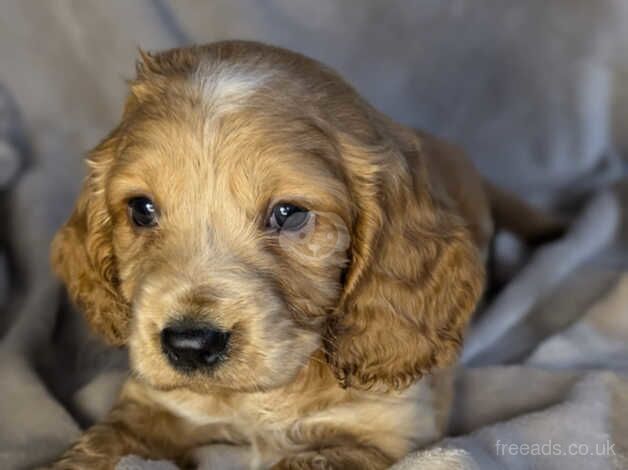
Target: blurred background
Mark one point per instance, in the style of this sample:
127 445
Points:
536 91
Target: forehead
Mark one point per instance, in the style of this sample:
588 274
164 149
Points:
227 132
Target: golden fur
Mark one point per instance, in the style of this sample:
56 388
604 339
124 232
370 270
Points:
339 354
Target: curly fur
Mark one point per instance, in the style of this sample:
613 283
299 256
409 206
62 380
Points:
336 361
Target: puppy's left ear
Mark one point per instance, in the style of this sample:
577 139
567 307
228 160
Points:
415 276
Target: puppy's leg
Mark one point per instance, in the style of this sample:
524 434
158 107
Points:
336 458
134 426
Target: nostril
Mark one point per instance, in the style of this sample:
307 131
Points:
189 348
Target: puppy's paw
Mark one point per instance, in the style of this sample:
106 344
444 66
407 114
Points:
305 461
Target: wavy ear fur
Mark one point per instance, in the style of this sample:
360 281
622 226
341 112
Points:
415 276
82 253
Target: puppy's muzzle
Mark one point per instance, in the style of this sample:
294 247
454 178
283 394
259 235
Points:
191 346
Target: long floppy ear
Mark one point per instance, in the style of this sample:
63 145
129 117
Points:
415 275
82 253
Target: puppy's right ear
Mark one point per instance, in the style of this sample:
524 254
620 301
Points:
82 253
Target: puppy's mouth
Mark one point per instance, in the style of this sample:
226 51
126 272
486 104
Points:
210 353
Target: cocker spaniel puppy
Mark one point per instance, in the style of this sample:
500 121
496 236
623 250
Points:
291 270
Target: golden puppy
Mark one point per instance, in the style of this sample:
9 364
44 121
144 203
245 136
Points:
291 270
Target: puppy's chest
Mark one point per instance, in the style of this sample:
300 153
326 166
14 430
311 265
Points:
264 429
275 426
253 419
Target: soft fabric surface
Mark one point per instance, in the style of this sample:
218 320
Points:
534 90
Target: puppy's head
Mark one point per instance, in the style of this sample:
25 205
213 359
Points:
251 209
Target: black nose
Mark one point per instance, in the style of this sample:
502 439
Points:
189 347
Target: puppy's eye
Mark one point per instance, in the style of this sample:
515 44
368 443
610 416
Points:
143 212
287 216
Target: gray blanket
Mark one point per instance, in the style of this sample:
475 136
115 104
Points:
536 91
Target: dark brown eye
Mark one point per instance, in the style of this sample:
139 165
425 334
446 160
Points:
285 216
143 212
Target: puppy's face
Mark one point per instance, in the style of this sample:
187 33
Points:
230 236
250 209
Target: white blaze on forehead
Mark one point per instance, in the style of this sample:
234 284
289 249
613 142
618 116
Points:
225 86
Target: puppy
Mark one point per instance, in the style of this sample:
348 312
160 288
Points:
291 270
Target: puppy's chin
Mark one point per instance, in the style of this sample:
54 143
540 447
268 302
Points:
235 373
218 381
208 386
